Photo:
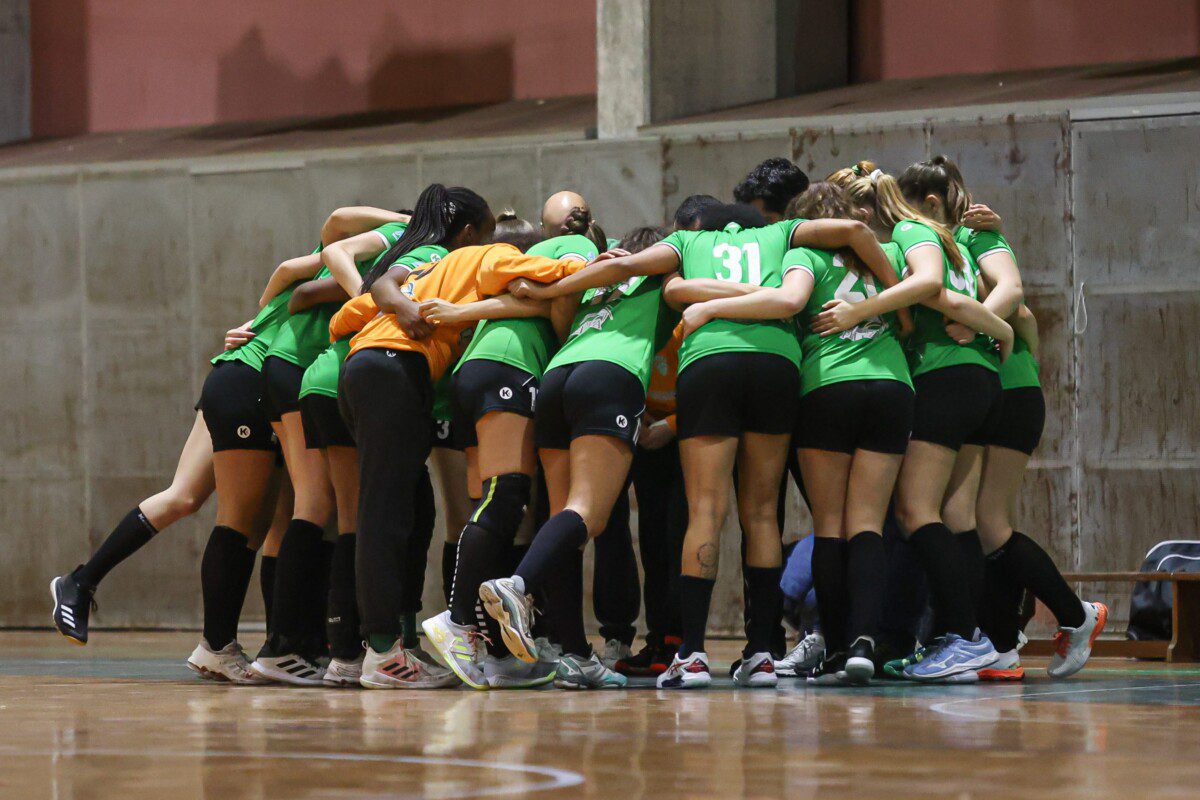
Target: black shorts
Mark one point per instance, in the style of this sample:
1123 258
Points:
590 398
1022 418
231 401
873 415
957 405
323 423
446 434
282 393
481 387
729 394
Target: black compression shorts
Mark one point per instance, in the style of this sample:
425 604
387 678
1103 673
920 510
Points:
232 403
729 394
323 423
282 393
957 405
590 398
873 415
481 387
1022 418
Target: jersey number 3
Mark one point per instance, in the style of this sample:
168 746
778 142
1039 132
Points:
731 257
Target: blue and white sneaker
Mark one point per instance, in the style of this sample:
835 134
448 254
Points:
955 660
577 672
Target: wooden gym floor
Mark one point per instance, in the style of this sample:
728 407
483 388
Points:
123 718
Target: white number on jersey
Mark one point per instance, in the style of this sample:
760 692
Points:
731 257
846 291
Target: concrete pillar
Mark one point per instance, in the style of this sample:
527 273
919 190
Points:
14 70
659 60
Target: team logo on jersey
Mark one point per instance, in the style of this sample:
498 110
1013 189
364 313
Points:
906 226
243 431
505 393
594 320
622 422
390 353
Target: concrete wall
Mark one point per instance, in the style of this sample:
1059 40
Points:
14 70
122 278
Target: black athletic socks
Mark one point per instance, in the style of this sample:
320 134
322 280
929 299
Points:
695 597
972 563
832 590
1025 562
481 556
266 585
225 572
1000 608
449 557
297 576
950 592
127 538
866 573
766 604
341 617
564 604
562 534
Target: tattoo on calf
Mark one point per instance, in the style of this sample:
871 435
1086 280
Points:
708 556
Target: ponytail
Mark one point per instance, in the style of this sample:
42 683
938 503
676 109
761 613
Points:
940 177
827 200
880 192
847 175
580 223
440 214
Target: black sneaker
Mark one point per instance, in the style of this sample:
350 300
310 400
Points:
73 602
860 662
830 672
651 660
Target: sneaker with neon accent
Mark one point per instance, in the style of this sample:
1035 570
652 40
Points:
229 665
614 650
73 602
343 672
756 672
955 657
505 601
896 667
1073 646
577 672
860 662
289 668
399 668
460 647
512 673
686 673
801 659
1006 667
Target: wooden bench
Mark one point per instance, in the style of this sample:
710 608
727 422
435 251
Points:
1184 646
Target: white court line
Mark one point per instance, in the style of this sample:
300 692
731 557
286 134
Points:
943 708
554 778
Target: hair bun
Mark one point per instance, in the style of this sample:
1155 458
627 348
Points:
507 213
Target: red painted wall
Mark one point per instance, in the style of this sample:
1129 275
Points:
105 65
921 38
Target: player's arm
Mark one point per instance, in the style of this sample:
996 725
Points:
352 220
774 303
1005 292
658 259
1024 324
504 306
562 314
923 282
323 290
352 317
391 300
970 312
340 258
300 268
680 292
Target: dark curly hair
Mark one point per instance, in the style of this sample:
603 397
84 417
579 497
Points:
775 182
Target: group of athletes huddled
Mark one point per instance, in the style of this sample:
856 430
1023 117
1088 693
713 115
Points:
865 336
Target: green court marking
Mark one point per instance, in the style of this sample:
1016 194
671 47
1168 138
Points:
1187 673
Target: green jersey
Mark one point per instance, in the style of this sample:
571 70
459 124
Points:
868 351
322 374
306 334
738 255
932 347
266 325
625 324
527 343
1021 368
442 390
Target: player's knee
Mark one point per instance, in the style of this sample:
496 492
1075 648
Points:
502 505
182 504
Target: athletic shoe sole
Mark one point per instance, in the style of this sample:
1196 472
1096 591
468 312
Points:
207 674
509 683
435 637
859 671
57 605
694 683
279 676
1002 675
520 646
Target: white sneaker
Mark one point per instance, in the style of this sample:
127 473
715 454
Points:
576 672
460 647
512 673
343 672
506 602
548 651
403 669
756 672
614 651
291 668
1074 645
229 664
802 658
686 673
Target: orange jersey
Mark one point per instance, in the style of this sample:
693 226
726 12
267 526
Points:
660 398
464 276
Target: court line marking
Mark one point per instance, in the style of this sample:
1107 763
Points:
943 708
555 778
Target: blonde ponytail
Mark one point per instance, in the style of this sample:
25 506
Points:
880 192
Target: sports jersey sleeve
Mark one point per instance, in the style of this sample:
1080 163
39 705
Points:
985 243
352 317
572 246
677 241
502 266
910 235
801 258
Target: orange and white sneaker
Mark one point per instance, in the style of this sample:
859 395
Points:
403 669
1007 667
1073 646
